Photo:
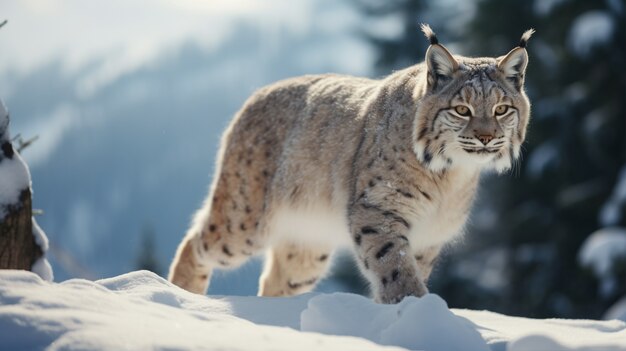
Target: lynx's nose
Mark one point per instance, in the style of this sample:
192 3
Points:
485 139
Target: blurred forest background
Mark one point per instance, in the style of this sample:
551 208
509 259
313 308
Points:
129 115
523 256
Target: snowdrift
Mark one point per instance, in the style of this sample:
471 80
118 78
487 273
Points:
140 311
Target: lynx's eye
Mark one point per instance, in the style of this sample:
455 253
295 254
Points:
501 109
462 110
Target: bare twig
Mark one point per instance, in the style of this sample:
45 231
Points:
3 23
21 144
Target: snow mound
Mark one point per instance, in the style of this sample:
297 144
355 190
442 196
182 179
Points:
410 324
137 311
140 310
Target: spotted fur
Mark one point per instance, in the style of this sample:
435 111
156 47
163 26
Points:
386 167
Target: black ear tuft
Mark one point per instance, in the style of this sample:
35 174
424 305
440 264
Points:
428 32
527 34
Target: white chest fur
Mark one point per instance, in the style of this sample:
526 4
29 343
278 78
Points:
443 219
436 228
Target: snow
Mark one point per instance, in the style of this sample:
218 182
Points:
590 29
13 172
140 310
43 269
617 311
403 324
517 333
610 214
602 248
599 252
40 236
543 343
15 178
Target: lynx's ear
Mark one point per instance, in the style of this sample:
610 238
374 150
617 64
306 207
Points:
513 65
441 64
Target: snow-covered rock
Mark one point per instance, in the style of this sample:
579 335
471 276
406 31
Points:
140 310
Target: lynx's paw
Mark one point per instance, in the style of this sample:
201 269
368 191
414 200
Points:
393 291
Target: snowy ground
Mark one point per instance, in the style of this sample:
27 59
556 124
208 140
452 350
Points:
140 311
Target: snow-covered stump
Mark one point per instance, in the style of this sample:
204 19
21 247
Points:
22 242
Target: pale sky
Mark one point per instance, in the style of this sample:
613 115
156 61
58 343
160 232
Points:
128 31
98 42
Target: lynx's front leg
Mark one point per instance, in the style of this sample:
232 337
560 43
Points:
382 246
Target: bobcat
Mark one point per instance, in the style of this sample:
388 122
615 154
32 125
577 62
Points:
387 167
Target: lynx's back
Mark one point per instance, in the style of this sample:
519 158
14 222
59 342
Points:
386 167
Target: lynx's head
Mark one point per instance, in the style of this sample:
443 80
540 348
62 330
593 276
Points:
474 111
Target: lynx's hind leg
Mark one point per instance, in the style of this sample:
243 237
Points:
209 244
226 233
229 228
292 269
187 270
